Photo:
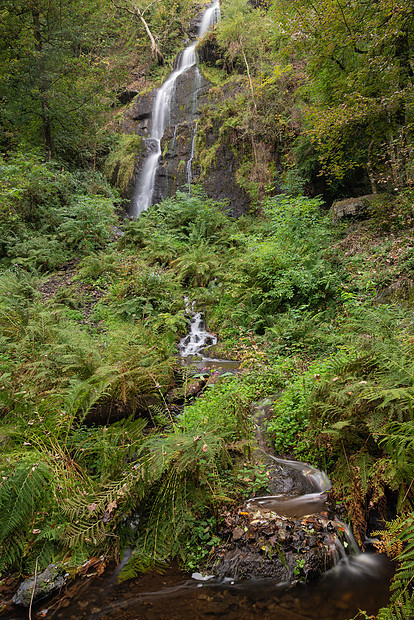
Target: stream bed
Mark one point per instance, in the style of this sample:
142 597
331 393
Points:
356 584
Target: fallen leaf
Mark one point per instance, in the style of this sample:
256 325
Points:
110 507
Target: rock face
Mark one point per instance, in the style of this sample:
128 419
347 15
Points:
178 141
220 182
178 161
52 578
358 208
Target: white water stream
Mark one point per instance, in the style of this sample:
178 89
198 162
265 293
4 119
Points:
198 338
161 110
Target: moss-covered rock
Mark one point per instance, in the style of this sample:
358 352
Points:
35 588
121 161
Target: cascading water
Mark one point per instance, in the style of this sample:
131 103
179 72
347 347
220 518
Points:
161 115
198 338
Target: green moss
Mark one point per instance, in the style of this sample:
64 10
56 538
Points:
120 163
215 75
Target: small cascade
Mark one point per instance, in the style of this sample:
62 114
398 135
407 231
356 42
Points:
161 109
291 533
198 338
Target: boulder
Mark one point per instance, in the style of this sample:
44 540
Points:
35 588
358 208
267 546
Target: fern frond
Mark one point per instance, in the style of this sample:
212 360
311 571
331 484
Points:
21 494
140 563
80 532
401 531
400 609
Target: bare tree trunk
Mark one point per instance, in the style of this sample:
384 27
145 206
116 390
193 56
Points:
393 161
248 74
370 170
154 47
136 11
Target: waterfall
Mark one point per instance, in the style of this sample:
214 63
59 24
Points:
190 161
161 108
198 338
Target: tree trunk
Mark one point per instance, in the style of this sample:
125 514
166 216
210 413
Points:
136 11
45 115
154 47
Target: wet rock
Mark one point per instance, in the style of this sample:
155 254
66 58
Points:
52 578
137 118
220 182
208 50
126 96
195 387
271 547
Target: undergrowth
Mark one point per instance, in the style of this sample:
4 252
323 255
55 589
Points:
96 457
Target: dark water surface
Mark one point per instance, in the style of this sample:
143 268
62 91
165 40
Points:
358 583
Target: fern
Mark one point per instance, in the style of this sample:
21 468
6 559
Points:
139 563
400 532
21 495
402 609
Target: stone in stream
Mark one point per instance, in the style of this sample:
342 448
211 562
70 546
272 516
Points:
51 579
287 534
267 546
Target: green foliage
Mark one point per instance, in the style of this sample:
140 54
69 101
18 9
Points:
23 493
86 225
201 542
57 55
358 84
283 266
120 163
144 291
49 213
401 606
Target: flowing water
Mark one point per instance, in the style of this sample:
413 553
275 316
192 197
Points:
198 339
358 581
161 116
192 347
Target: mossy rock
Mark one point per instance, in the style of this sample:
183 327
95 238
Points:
120 163
35 588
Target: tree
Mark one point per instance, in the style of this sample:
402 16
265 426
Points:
52 72
133 9
360 90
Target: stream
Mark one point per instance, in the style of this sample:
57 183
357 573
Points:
297 495
337 595
195 344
